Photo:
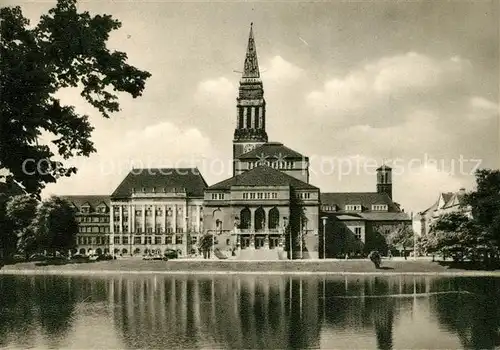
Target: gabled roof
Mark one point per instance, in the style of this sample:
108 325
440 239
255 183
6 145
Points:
187 180
457 199
365 199
93 201
262 176
270 151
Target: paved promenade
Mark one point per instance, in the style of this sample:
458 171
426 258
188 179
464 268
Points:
201 266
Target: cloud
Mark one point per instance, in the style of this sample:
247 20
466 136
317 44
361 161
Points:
160 145
281 71
384 86
219 91
419 187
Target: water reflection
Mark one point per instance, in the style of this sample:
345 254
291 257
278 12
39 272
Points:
249 312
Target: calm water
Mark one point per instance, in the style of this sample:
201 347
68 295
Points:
249 312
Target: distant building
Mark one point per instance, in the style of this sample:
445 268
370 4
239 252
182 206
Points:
157 209
447 202
92 215
358 222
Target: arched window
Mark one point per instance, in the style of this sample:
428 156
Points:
245 218
260 219
274 218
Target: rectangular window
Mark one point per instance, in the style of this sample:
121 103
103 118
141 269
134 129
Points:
117 240
149 230
357 232
259 195
178 239
351 207
178 230
137 240
147 240
125 240
157 240
138 212
252 195
168 240
170 230
249 117
158 230
194 239
138 230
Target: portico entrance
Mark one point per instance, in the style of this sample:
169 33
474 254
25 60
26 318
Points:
245 241
259 241
273 241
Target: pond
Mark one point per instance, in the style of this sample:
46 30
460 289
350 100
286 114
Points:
258 312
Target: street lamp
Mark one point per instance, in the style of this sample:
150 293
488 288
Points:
324 218
188 238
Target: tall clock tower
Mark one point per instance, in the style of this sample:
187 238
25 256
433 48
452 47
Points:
250 129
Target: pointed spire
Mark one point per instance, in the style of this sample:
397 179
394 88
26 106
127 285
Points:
251 68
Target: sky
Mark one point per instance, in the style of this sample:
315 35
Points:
349 84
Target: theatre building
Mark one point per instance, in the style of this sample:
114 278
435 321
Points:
248 214
157 209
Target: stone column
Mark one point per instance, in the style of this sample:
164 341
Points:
174 218
245 116
154 219
186 244
198 218
121 219
143 218
112 229
131 218
261 122
164 221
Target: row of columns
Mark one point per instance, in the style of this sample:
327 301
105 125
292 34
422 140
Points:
256 117
132 217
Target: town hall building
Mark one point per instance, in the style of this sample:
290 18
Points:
267 210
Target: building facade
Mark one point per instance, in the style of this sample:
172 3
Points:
447 202
249 213
355 223
266 210
92 215
155 210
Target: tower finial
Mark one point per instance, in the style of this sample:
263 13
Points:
251 68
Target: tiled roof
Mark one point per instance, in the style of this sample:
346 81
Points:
365 199
272 150
93 200
187 180
385 216
262 176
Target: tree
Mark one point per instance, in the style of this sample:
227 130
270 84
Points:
205 244
21 211
401 236
65 49
454 234
485 207
55 225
